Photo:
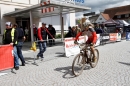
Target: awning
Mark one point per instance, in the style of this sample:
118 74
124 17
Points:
110 21
58 8
124 22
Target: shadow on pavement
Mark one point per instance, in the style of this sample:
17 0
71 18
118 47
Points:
29 60
67 72
60 54
128 64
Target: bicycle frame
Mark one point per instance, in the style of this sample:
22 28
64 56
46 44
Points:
84 51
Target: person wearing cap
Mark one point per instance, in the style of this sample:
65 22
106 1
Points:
42 39
10 36
92 37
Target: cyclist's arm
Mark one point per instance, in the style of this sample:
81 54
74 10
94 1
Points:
94 35
77 36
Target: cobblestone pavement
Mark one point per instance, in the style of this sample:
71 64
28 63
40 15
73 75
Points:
113 69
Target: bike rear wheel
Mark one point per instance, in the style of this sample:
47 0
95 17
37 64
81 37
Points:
93 64
78 64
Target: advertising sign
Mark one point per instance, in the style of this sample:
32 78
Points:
127 36
113 36
98 40
71 48
118 37
6 57
104 37
74 2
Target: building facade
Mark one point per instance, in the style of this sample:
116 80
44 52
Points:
119 13
102 18
7 6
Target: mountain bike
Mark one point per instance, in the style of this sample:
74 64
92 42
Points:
84 57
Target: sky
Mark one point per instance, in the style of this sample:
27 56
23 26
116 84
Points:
100 5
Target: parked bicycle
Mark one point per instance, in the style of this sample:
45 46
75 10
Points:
84 57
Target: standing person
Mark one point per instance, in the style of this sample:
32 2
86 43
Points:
71 32
52 31
42 37
77 30
35 32
53 34
26 33
10 36
21 38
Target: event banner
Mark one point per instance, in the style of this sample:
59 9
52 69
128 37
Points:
104 37
113 36
71 48
127 36
118 37
6 57
98 40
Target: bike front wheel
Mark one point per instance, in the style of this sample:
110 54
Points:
78 64
94 63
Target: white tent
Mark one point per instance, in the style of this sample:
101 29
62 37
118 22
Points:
124 22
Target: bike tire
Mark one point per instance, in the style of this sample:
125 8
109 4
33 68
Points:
93 64
81 64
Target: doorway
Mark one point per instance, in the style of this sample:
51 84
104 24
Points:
25 25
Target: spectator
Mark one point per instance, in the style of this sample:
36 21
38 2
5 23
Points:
77 30
99 31
104 28
42 36
21 38
26 33
71 32
53 34
10 36
35 32
52 31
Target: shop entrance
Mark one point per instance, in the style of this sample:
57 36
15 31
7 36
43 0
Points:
24 23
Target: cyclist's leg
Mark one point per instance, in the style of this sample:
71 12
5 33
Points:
90 40
94 56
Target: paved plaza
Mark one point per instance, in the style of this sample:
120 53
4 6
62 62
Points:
113 69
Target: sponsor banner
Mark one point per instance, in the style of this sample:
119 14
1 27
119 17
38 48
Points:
71 48
113 36
104 37
127 36
118 37
6 57
98 40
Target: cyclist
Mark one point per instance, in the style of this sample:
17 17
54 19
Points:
92 37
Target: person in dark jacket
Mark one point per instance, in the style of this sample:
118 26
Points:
52 31
21 38
71 32
10 36
42 37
